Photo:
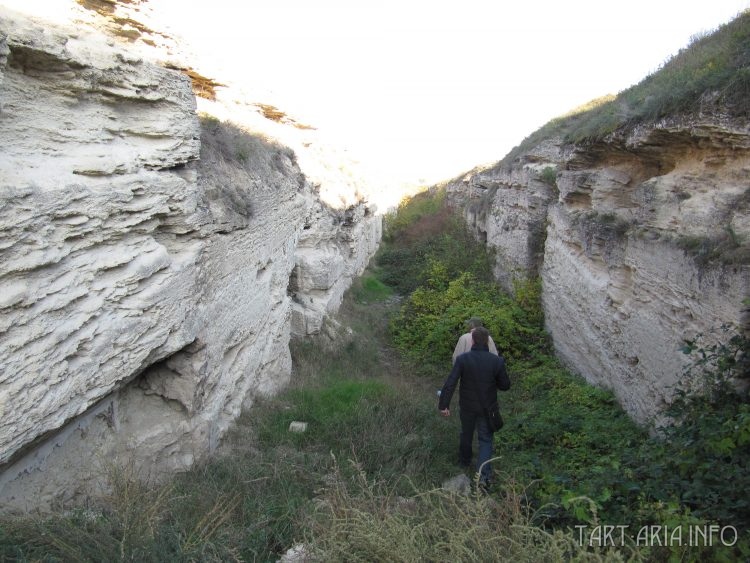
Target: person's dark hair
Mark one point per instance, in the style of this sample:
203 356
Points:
474 322
480 336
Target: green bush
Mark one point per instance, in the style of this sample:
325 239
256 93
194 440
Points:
723 248
423 230
549 176
568 438
707 444
449 280
411 210
434 316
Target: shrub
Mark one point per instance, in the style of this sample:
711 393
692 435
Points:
411 210
723 248
568 438
709 433
549 176
434 316
425 228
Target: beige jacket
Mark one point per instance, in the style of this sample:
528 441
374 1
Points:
464 345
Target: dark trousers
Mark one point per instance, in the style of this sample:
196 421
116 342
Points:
470 421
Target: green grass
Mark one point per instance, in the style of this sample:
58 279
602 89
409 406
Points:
329 412
369 288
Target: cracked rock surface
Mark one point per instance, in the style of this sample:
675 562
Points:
145 264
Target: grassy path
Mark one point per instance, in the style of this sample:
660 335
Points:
363 482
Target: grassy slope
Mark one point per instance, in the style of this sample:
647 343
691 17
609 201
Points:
711 74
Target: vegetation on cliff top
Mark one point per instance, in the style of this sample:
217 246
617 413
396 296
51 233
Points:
711 74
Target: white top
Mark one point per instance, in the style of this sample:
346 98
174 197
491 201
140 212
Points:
464 345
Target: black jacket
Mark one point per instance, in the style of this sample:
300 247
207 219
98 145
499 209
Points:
481 373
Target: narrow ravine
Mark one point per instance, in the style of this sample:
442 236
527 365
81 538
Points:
365 480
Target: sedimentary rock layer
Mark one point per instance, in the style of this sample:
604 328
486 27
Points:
145 264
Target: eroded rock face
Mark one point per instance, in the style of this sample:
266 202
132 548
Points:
641 241
145 265
507 208
328 258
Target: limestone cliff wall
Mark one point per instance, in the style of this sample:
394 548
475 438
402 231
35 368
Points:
327 259
641 241
151 268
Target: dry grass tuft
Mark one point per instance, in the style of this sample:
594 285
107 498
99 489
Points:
361 520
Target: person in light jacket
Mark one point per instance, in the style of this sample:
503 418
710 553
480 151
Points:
481 374
464 342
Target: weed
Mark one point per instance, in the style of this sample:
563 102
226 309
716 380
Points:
423 229
483 205
223 140
724 248
682 195
411 210
549 176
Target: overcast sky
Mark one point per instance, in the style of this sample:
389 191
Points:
429 89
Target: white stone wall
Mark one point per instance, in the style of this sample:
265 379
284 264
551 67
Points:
144 265
622 323
328 257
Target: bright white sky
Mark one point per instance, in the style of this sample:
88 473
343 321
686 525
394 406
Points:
429 89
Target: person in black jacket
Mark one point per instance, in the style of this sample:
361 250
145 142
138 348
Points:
482 374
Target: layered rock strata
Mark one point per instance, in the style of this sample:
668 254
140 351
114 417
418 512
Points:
641 242
145 265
